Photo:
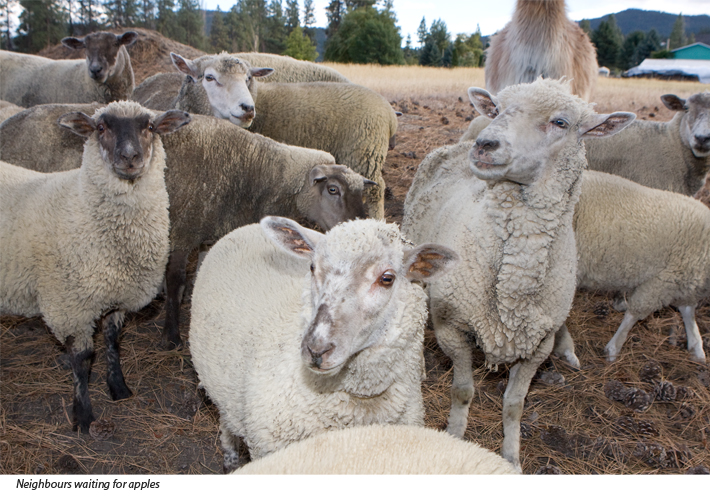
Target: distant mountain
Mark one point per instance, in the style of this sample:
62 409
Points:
635 19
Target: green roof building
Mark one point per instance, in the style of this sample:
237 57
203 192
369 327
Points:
694 51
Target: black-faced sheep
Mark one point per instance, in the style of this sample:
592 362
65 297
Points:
329 335
88 242
105 76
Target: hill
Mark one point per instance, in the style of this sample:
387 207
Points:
635 19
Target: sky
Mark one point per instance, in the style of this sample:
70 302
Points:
462 16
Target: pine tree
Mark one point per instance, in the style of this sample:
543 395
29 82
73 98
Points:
275 39
166 22
189 24
422 32
650 44
608 39
299 46
309 18
440 35
677 38
42 24
586 27
218 33
146 13
629 50
335 12
122 13
292 15
430 55
6 7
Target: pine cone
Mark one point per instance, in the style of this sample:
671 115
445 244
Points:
552 378
664 391
556 438
526 431
638 400
615 390
698 470
601 310
687 410
625 425
651 372
652 454
647 428
679 457
684 393
102 429
548 470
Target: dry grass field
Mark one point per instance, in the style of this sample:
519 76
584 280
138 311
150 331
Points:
569 425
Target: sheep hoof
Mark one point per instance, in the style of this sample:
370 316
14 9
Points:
120 392
231 462
572 360
83 422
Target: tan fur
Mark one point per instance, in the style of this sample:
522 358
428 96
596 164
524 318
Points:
541 40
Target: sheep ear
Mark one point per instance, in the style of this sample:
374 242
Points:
260 72
73 43
483 101
427 262
77 122
127 39
673 102
605 125
184 65
290 236
170 121
317 174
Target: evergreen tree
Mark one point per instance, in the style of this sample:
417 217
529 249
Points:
677 38
650 44
309 18
275 38
430 54
366 36
42 24
166 22
691 38
468 50
122 13
189 24
292 19
218 33
299 46
586 27
146 13
89 13
608 39
422 32
440 35
334 12
6 7
629 50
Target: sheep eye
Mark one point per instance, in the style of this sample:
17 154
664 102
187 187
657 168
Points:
101 128
313 268
387 279
560 123
150 127
209 78
333 190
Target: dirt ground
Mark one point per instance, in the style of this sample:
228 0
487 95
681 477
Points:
570 424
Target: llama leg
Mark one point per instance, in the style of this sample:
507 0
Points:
564 347
175 278
614 346
112 324
695 341
514 397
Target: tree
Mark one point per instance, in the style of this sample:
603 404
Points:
440 35
299 46
166 23
292 15
677 38
608 39
42 24
366 36
146 13
6 7
422 32
430 54
189 24
334 12
586 27
122 13
629 50
309 18
468 50
218 33
275 37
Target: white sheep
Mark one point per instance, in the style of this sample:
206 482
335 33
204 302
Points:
328 335
650 244
673 156
541 41
220 85
105 76
219 177
509 216
381 450
93 241
8 109
290 70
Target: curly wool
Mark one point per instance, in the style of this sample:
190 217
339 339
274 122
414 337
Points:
246 346
78 243
290 70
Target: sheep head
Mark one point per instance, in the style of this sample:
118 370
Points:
695 123
125 132
533 123
101 50
228 82
359 272
334 195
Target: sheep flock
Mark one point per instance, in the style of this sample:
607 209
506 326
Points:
544 317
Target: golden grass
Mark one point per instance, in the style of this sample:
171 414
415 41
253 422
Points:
417 82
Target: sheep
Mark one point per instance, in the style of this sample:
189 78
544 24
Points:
650 244
219 177
673 155
8 109
381 449
356 125
105 76
329 335
219 85
88 242
541 41
290 70
509 217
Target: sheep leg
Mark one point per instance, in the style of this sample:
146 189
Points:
175 278
112 324
514 397
564 347
695 341
617 341
82 414
455 346
375 199
231 445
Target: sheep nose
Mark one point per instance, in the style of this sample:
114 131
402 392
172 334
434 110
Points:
319 353
130 157
487 145
702 139
95 70
247 108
